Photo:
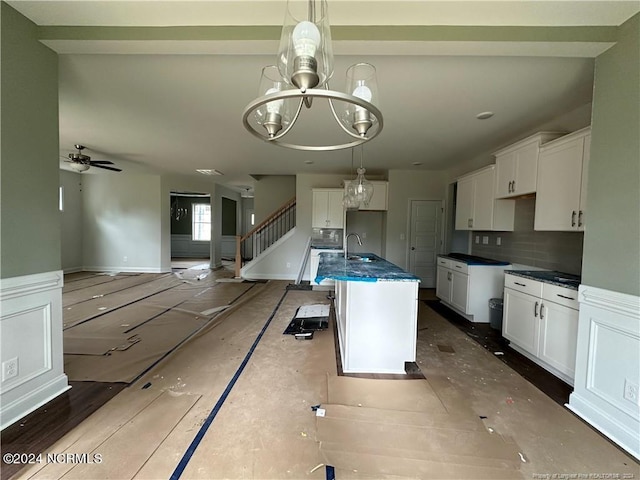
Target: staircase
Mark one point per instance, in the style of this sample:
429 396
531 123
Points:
265 234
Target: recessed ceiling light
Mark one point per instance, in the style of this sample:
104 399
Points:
416 163
209 171
484 115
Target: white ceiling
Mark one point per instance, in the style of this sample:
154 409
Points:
175 105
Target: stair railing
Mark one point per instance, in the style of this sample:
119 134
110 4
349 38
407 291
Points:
265 234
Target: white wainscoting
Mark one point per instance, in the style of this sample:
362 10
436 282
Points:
608 365
182 246
228 246
31 340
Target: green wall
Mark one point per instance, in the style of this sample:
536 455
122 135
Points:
612 237
29 165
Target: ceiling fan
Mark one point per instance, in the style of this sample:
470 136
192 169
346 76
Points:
81 162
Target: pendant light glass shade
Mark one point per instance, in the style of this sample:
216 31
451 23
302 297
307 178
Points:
362 82
305 56
274 115
359 191
363 188
349 201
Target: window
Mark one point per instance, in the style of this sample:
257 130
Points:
61 199
201 222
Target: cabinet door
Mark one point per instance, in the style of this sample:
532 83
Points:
320 204
526 169
335 209
520 320
464 204
559 184
460 291
558 337
483 200
505 173
379 200
583 183
443 284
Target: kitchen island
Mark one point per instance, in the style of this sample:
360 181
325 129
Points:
376 311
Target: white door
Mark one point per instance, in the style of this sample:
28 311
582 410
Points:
424 240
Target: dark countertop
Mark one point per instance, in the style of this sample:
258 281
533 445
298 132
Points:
366 267
553 277
473 260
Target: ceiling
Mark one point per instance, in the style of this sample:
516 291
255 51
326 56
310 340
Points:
161 86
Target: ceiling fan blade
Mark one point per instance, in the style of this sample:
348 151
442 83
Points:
98 162
107 168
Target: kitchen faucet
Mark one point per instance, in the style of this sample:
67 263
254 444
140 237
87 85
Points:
346 243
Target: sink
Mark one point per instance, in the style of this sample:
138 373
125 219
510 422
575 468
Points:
360 258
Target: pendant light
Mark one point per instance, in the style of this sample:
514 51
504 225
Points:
359 191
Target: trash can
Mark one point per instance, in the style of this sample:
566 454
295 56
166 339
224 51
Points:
495 313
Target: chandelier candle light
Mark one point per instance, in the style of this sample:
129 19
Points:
305 66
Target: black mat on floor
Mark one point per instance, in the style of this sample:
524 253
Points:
493 341
304 325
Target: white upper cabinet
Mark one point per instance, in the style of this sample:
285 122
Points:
327 209
380 199
517 166
476 206
562 180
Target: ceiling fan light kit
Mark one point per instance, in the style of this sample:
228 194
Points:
81 162
304 68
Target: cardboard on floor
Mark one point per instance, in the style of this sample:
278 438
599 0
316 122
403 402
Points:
266 427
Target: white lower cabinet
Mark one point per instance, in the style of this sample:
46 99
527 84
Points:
468 288
541 321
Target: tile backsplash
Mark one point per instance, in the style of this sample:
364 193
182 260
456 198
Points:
560 251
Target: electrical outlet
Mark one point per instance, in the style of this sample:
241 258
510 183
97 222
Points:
125 259
10 368
288 264
631 391
485 240
498 241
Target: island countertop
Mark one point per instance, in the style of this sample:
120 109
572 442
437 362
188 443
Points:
361 267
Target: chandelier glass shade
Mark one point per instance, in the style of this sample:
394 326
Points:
304 68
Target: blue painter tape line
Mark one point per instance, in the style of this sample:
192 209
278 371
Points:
330 472
209 420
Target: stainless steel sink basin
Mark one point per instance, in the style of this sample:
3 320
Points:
360 258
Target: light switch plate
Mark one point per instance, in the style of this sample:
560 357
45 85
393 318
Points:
485 240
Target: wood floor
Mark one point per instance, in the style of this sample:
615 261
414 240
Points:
42 428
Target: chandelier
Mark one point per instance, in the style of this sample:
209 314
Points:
303 71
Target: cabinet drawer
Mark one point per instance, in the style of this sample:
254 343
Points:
459 267
444 262
524 285
557 294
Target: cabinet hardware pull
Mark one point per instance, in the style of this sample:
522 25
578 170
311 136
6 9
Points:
510 190
573 218
541 307
535 310
580 218
564 296
521 284
458 266
513 188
